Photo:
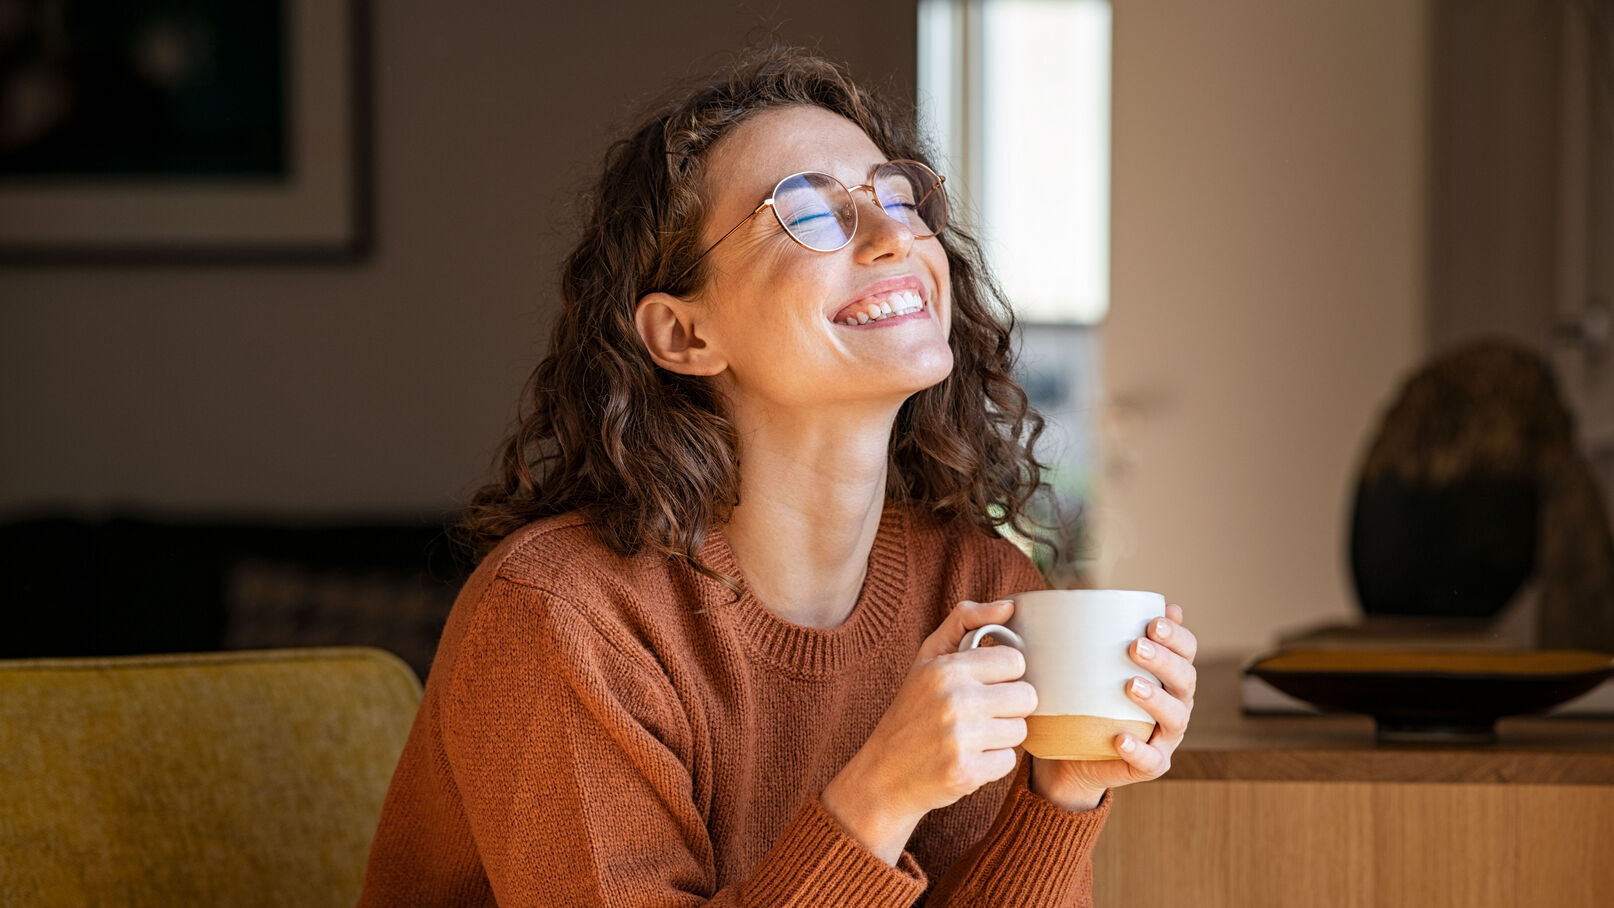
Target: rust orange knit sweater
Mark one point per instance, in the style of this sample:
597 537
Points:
608 731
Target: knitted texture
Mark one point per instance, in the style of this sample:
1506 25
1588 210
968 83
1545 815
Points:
609 731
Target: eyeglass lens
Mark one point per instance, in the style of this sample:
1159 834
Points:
817 210
820 213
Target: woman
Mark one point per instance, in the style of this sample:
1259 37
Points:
710 658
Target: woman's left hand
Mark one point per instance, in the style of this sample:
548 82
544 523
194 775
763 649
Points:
1168 653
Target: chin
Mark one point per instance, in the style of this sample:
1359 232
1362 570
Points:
932 367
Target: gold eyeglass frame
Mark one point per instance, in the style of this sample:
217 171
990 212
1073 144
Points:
856 218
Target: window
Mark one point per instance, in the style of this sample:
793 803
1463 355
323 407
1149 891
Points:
1016 95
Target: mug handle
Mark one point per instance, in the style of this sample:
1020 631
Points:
973 638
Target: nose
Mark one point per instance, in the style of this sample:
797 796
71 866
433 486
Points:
879 235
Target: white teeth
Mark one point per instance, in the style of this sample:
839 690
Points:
902 302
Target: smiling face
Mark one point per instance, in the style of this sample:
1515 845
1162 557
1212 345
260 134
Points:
784 327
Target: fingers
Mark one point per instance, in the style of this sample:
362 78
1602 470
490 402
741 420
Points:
1015 699
1143 761
1169 632
1170 713
1001 762
965 617
1176 674
990 735
1003 734
1167 650
970 615
987 664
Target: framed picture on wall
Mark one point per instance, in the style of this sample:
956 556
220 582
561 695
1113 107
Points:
177 131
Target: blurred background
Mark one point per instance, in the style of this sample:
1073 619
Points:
240 393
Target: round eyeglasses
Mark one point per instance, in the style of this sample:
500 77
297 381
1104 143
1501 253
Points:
820 213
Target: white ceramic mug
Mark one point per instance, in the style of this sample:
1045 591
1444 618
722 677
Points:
1075 643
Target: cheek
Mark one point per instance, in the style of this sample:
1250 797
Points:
944 285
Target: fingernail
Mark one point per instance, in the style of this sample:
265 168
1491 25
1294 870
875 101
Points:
1162 628
1145 649
1128 745
1141 689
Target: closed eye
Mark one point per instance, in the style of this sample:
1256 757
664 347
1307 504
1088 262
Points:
807 220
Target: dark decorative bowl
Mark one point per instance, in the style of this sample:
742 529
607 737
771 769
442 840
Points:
1434 696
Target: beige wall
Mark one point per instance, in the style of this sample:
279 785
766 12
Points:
1496 90
1267 295
382 387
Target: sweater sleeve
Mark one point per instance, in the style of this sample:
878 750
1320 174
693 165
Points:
570 754
1035 854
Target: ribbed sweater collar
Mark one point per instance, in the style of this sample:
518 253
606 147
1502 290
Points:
810 652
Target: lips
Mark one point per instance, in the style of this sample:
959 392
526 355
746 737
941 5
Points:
886 299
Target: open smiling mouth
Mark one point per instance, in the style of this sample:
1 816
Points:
891 305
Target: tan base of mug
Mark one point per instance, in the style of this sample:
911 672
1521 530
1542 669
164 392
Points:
1080 737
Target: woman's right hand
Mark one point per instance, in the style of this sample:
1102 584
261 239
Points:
951 728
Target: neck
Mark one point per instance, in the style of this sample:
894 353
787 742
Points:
811 495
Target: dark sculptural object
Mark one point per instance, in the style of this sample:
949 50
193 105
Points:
1459 550
1472 484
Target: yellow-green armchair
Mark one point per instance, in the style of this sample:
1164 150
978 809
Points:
239 779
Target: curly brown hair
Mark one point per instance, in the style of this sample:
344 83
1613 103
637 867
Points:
649 453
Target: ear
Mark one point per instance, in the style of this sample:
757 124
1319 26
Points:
672 334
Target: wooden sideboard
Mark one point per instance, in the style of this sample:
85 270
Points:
1309 811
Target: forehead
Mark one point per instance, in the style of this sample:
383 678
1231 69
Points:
747 163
